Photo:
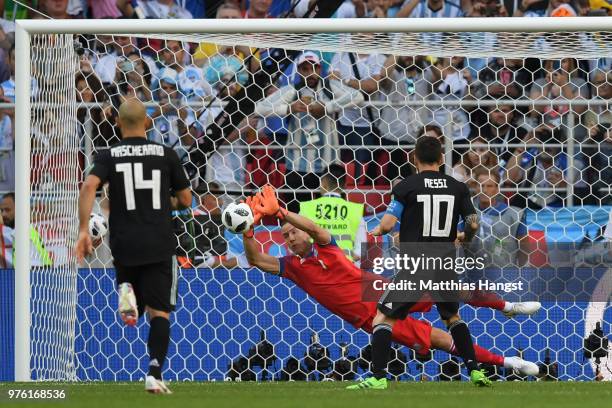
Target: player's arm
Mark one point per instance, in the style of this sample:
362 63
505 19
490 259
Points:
258 259
96 178
179 182
182 199
267 204
87 196
388 221
469 214
320 235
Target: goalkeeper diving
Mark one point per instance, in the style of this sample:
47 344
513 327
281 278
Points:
320 268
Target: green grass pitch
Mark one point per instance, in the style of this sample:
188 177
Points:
320 395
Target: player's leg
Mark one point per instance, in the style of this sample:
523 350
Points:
157 344
382 328
159 291
441 340
130 298
479 298
449 312
387 315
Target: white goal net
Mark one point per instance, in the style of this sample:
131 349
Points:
525 121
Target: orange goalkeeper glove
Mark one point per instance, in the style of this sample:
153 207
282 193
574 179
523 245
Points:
253 203
268 203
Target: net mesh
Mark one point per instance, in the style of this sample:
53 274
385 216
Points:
479 44
505 105
55 180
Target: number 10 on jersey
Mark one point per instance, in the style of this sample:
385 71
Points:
432 214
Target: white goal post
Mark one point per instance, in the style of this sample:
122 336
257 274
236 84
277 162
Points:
257 33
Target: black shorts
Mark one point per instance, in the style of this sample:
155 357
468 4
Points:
154 284
446 301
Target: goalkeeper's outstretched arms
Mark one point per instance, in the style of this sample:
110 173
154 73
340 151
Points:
267 204
252 248
258 259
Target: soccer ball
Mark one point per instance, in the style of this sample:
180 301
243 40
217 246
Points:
98 227
237 218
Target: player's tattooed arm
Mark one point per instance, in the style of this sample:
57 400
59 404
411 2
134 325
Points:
386 225
472 223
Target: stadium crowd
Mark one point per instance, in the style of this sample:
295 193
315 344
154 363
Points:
241 117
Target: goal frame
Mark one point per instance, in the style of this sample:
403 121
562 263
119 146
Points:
25 28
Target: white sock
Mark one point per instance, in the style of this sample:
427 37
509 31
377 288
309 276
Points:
508 306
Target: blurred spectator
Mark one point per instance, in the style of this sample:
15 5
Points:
7 209
107 8
561 8
7 146
200 233
227 163
90 90
310 106
488 8
357 126
601 5
139 78
8 86
478 157
501 128
600 168
430 9
399 123
503 78
450 81
191 82
602 91
56 9
39 256
205 51
210 241
562 80
502 232
119 47
7 235
7 38
163 9
377 8
348 9
131 82
531 8
170 120
545 170
258 9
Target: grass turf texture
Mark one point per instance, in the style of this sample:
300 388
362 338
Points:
320 395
